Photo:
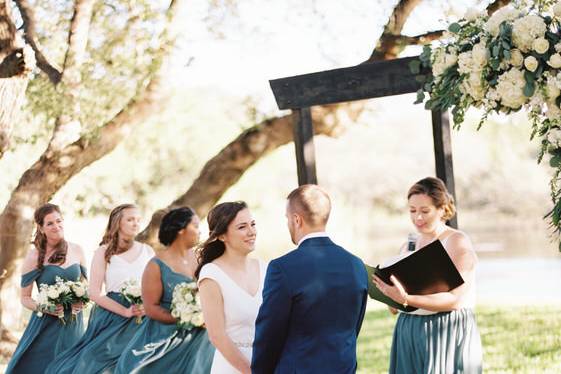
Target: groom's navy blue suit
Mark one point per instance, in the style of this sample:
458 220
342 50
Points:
313 306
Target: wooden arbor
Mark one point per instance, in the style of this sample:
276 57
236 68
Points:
377 79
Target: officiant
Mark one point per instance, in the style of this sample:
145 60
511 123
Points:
441 335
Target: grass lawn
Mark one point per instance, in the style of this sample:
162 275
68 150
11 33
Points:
515 340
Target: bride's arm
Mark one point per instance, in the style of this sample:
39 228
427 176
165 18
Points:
213 311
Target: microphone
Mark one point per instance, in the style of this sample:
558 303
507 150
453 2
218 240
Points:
411 240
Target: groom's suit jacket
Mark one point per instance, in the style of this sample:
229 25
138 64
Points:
314 300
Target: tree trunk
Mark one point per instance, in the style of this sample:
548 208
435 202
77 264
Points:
14 69
58 164
226 168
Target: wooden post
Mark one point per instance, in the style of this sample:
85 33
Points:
443 154
304 145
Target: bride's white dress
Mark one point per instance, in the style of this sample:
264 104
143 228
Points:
240 311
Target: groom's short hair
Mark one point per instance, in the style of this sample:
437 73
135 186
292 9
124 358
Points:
312 202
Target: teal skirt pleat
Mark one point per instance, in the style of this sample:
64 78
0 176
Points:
44 338
161 348
100 347
442 343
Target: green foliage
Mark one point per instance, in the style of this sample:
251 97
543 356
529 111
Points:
485 66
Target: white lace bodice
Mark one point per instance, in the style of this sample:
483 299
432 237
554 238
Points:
119 270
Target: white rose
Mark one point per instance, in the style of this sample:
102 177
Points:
516 58
188 298
557 9
480 54
135 291
175 313
52 293
185 316
540 45
555 61
510 89
531 63
79 290
198 319
554 135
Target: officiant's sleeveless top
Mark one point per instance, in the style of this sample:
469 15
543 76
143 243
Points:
160 347
438 342
108 333
46 337
240 312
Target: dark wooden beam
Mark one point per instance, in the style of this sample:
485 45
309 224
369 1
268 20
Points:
443 154
365 81
304 144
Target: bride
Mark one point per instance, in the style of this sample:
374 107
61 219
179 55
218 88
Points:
230 286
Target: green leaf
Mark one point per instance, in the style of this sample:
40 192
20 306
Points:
495 50
455 28
529 76
420 97
506 54
555 161
506 45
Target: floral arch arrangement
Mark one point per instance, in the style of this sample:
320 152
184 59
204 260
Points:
502 63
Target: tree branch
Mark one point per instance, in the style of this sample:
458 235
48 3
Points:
30 36
386 48
77 41
496 5
226 168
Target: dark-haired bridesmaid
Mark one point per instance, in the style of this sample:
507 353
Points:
51 256
159 347
112 322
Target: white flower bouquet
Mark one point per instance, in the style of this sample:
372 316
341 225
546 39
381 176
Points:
132 292
186 306
502 63
62 292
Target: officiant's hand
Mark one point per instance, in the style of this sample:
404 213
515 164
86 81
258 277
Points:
395 292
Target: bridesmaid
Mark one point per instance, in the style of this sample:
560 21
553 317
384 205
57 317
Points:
112 322
158 347
46 337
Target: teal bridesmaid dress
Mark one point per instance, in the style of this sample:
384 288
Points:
101 345
46 337
162 348
108 333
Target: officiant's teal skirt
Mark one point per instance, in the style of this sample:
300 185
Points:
442 343
99 349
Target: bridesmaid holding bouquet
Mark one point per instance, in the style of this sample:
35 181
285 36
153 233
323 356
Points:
46 336
119 259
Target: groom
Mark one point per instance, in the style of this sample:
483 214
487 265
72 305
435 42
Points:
313 299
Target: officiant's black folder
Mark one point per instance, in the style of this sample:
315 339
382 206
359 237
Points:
426 271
